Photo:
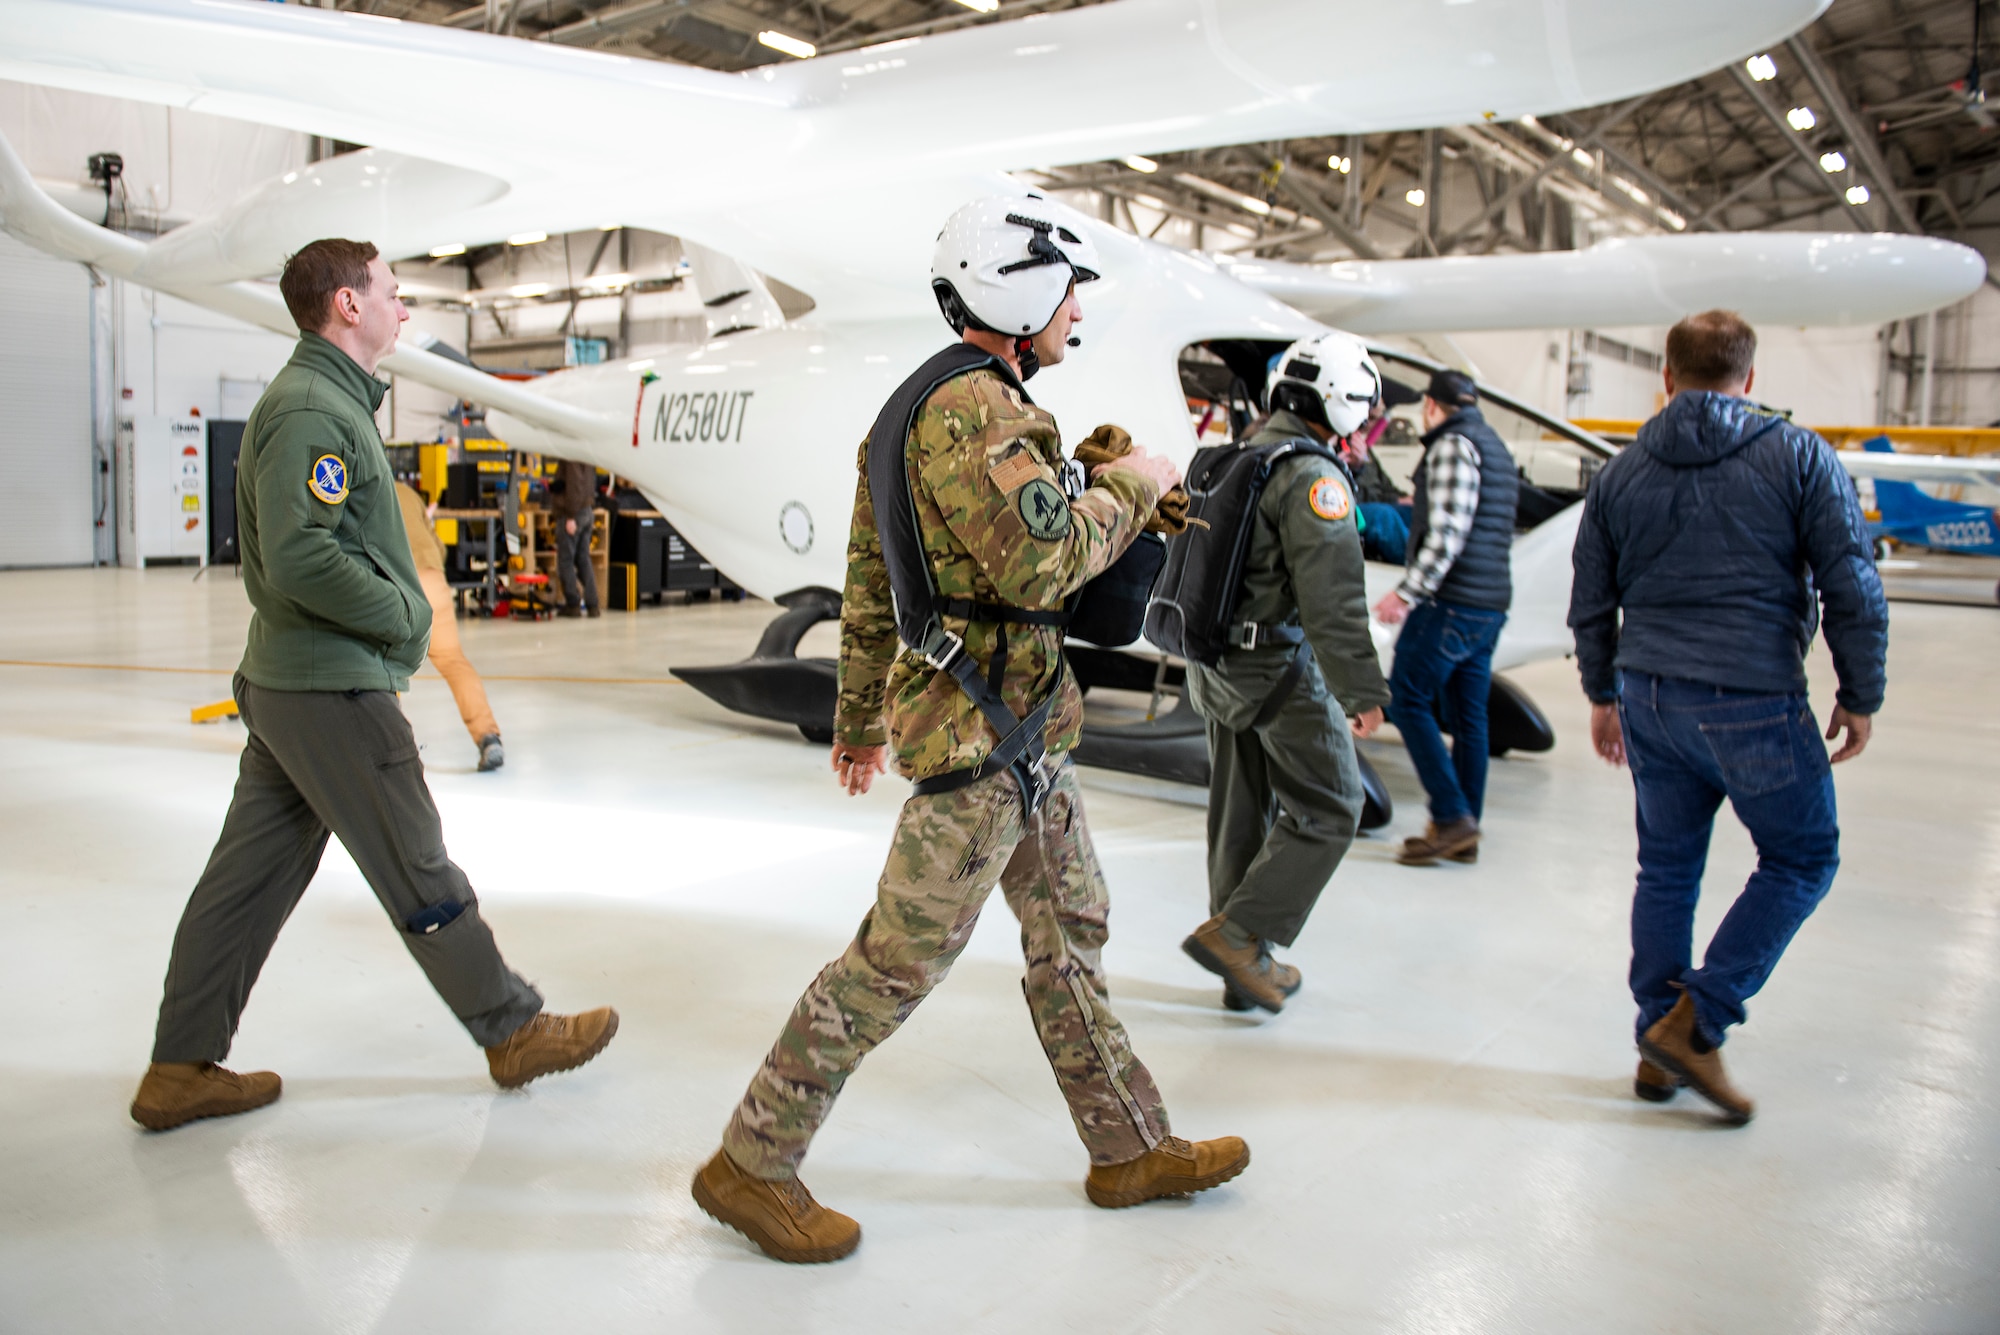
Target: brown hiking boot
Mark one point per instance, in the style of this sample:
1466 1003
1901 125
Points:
1173 1168
550 1043
1654 1085
1249 972
174 1093
1669 1045
1454 841
782 1218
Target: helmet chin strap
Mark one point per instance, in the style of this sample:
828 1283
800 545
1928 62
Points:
1024 353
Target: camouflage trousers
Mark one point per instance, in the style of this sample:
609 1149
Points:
950 850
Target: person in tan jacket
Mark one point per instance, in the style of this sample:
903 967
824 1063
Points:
445 653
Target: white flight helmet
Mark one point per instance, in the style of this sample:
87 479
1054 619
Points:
1337 371
1005 264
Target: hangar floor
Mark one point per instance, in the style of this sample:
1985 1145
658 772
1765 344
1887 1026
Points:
1443 1130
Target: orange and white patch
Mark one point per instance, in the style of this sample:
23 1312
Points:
1329 499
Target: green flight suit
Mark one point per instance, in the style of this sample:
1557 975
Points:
340 622
1284 796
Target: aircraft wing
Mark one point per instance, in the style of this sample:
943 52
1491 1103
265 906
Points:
1977 471
1788 278
832 173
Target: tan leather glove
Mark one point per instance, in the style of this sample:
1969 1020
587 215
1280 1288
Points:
1109 442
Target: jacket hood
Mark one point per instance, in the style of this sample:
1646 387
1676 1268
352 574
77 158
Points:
1699 427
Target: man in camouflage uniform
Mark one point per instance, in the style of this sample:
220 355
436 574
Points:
983 463
1285 797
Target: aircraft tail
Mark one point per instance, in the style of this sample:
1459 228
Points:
30 216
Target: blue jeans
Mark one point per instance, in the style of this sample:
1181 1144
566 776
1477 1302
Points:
1385 535
1690 745
1444 658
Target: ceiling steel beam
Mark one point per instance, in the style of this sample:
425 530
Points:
1859 140
1520 188
1792 139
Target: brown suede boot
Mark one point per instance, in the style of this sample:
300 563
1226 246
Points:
550 1043
1652 1084
1249 971
782 1218
1453 841
1173 1168
1669 1045
174 1093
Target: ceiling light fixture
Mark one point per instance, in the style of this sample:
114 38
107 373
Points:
446 252
1415 197
981 6
1761 68
1801 119
1337 163
1857 194
1834 161
1137 163
527 238
791 46
530 290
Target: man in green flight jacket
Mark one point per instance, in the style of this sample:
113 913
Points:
340 622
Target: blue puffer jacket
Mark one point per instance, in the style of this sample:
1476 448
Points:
1712 533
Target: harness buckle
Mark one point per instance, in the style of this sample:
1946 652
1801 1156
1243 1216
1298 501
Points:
943 650
1245 636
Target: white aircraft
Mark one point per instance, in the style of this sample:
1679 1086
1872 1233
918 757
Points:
833 175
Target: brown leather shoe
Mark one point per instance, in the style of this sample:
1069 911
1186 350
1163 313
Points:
782 1218
1652 1084
550 1043
1173 1168
1250 973
1451 841
1669 1045
174 1093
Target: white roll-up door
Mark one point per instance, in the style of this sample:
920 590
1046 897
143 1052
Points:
45 493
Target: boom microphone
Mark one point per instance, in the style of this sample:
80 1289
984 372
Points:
1076 343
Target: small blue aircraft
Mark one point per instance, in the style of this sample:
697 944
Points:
1918 519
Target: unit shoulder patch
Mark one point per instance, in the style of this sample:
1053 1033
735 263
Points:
1043 509
328 480
1329 498
1015 471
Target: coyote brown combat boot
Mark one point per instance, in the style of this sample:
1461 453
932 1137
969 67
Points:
1455 842
782 1218
1652 1084
1669 1045
1174 1168
550 1043
1249 972
174 1093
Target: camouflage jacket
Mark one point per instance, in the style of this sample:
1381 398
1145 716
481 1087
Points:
996 528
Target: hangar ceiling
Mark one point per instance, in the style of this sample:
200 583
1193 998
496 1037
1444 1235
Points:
1898 135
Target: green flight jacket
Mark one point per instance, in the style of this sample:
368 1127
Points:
325 560
1304 568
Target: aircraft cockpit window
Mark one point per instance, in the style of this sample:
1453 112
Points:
1223 382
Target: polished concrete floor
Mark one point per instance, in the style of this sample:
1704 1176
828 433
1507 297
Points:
1444 1135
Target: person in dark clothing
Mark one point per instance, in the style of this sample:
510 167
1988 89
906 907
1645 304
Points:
1714 535
1455 597
573 521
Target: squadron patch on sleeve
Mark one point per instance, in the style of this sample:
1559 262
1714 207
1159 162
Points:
1329 498
328 481
1016 470
1043 509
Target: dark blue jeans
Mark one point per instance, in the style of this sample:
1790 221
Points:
1690 745
1444 657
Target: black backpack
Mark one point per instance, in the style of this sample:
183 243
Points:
1192 611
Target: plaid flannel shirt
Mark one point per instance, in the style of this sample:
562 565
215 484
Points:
1452 489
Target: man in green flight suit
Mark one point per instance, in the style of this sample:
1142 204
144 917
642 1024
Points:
974 503
339 623
1284 795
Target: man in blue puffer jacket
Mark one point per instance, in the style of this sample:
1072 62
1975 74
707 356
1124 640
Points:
1721 534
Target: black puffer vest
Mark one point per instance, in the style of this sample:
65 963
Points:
1482 575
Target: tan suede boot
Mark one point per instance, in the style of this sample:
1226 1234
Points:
1454 842
1652 1084
174 1093
1173 1168
1669 1045
550 1043
782 1218
1249 972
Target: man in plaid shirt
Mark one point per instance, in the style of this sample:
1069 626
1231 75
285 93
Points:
1454 599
